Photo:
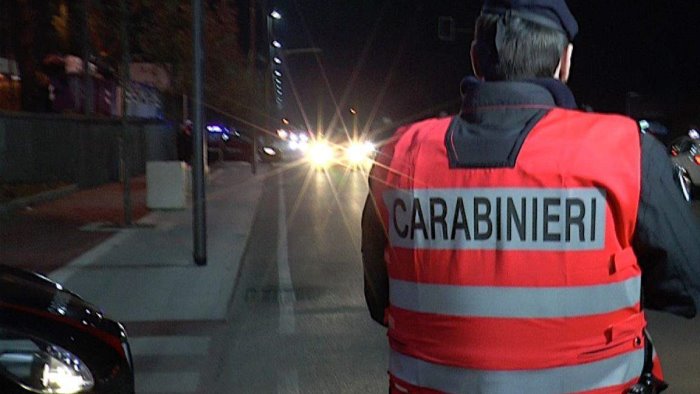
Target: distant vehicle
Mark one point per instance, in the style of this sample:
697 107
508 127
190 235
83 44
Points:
685 154
291 143
53 341
224 143
268 153
352 155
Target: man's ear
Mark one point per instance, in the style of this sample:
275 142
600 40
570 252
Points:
475 61
564 67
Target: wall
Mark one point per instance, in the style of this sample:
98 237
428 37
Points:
40 148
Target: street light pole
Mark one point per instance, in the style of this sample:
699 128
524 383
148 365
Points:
269 85
353 111
198 196
124 136
87 78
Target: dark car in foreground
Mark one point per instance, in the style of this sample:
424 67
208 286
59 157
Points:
53 341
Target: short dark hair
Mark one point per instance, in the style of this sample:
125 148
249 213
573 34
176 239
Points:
529 50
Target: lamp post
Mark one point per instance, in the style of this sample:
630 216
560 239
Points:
199 224
124 135
274 74
353 112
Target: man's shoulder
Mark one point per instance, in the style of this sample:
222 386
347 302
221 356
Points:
619 121
607 116
425 125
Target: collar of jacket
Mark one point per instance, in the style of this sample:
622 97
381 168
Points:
534 93
496 117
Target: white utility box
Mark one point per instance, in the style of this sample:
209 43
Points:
167 183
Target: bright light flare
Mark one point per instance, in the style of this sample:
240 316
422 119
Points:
57 377
320 154
359 153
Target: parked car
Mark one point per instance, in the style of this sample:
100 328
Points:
685 154
224 143
268 153
53 341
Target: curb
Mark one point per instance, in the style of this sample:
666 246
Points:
49 195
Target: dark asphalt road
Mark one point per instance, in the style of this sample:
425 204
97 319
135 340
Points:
298 322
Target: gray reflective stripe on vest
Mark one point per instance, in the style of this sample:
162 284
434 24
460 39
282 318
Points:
497 218
583 377
514 302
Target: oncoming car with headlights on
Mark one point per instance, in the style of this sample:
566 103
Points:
291 144
53 341
352 155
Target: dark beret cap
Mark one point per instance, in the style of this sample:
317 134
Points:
551 13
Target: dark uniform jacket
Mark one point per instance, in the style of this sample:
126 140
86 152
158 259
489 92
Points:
667 236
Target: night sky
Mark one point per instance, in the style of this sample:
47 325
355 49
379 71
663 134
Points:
385 59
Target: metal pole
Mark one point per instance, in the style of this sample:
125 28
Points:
268 80
124 136
87 79
252 54
185 110
198 197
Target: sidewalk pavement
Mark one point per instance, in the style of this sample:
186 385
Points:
146 272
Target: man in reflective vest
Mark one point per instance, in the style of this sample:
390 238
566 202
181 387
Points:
504 247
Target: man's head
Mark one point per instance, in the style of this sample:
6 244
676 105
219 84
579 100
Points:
523 39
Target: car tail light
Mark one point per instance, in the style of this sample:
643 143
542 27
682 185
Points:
696 158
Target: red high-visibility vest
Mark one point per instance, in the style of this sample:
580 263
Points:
515 279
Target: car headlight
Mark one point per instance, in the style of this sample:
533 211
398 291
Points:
358 153
320 153
42 367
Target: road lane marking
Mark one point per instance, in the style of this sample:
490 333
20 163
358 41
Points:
287 381
286 297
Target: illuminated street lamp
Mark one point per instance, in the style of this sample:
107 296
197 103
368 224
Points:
353 111
274 44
